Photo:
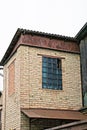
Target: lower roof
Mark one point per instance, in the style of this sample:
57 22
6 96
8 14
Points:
54 114
69 125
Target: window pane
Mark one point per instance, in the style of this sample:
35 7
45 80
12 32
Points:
45 75
54 66
60 87
49 65
49 60
44 69
50 76
45 64
50 86
60 82
54 76
44 59
50 81
50 71
44 80
44 85
59 76
55 71
59 71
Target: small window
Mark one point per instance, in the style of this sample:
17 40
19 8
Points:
51 73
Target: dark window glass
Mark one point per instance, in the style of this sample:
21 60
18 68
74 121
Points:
51 73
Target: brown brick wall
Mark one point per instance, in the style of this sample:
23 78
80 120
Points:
51 43
11 78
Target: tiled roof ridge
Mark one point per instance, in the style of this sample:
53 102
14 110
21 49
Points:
45 34
21 31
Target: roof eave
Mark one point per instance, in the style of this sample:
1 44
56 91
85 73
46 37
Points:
11 46
24 32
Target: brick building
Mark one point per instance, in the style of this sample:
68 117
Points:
42 81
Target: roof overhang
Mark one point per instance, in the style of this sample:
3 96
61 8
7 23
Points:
20 32
54 114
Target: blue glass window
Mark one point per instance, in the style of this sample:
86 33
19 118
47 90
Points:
51 73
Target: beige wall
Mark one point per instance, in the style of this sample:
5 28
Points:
32 94
11 104
28 85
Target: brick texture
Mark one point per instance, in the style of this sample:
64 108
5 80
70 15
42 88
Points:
28 85
31 81
11 104
11 78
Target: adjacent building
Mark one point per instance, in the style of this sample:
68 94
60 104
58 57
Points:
42 81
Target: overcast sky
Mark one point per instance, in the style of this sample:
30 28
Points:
64 17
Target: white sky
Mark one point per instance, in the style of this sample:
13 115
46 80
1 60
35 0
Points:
64 17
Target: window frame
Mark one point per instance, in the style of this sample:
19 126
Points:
57 86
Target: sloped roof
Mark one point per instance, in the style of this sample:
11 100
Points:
54 114
82 33
69 125
20 32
